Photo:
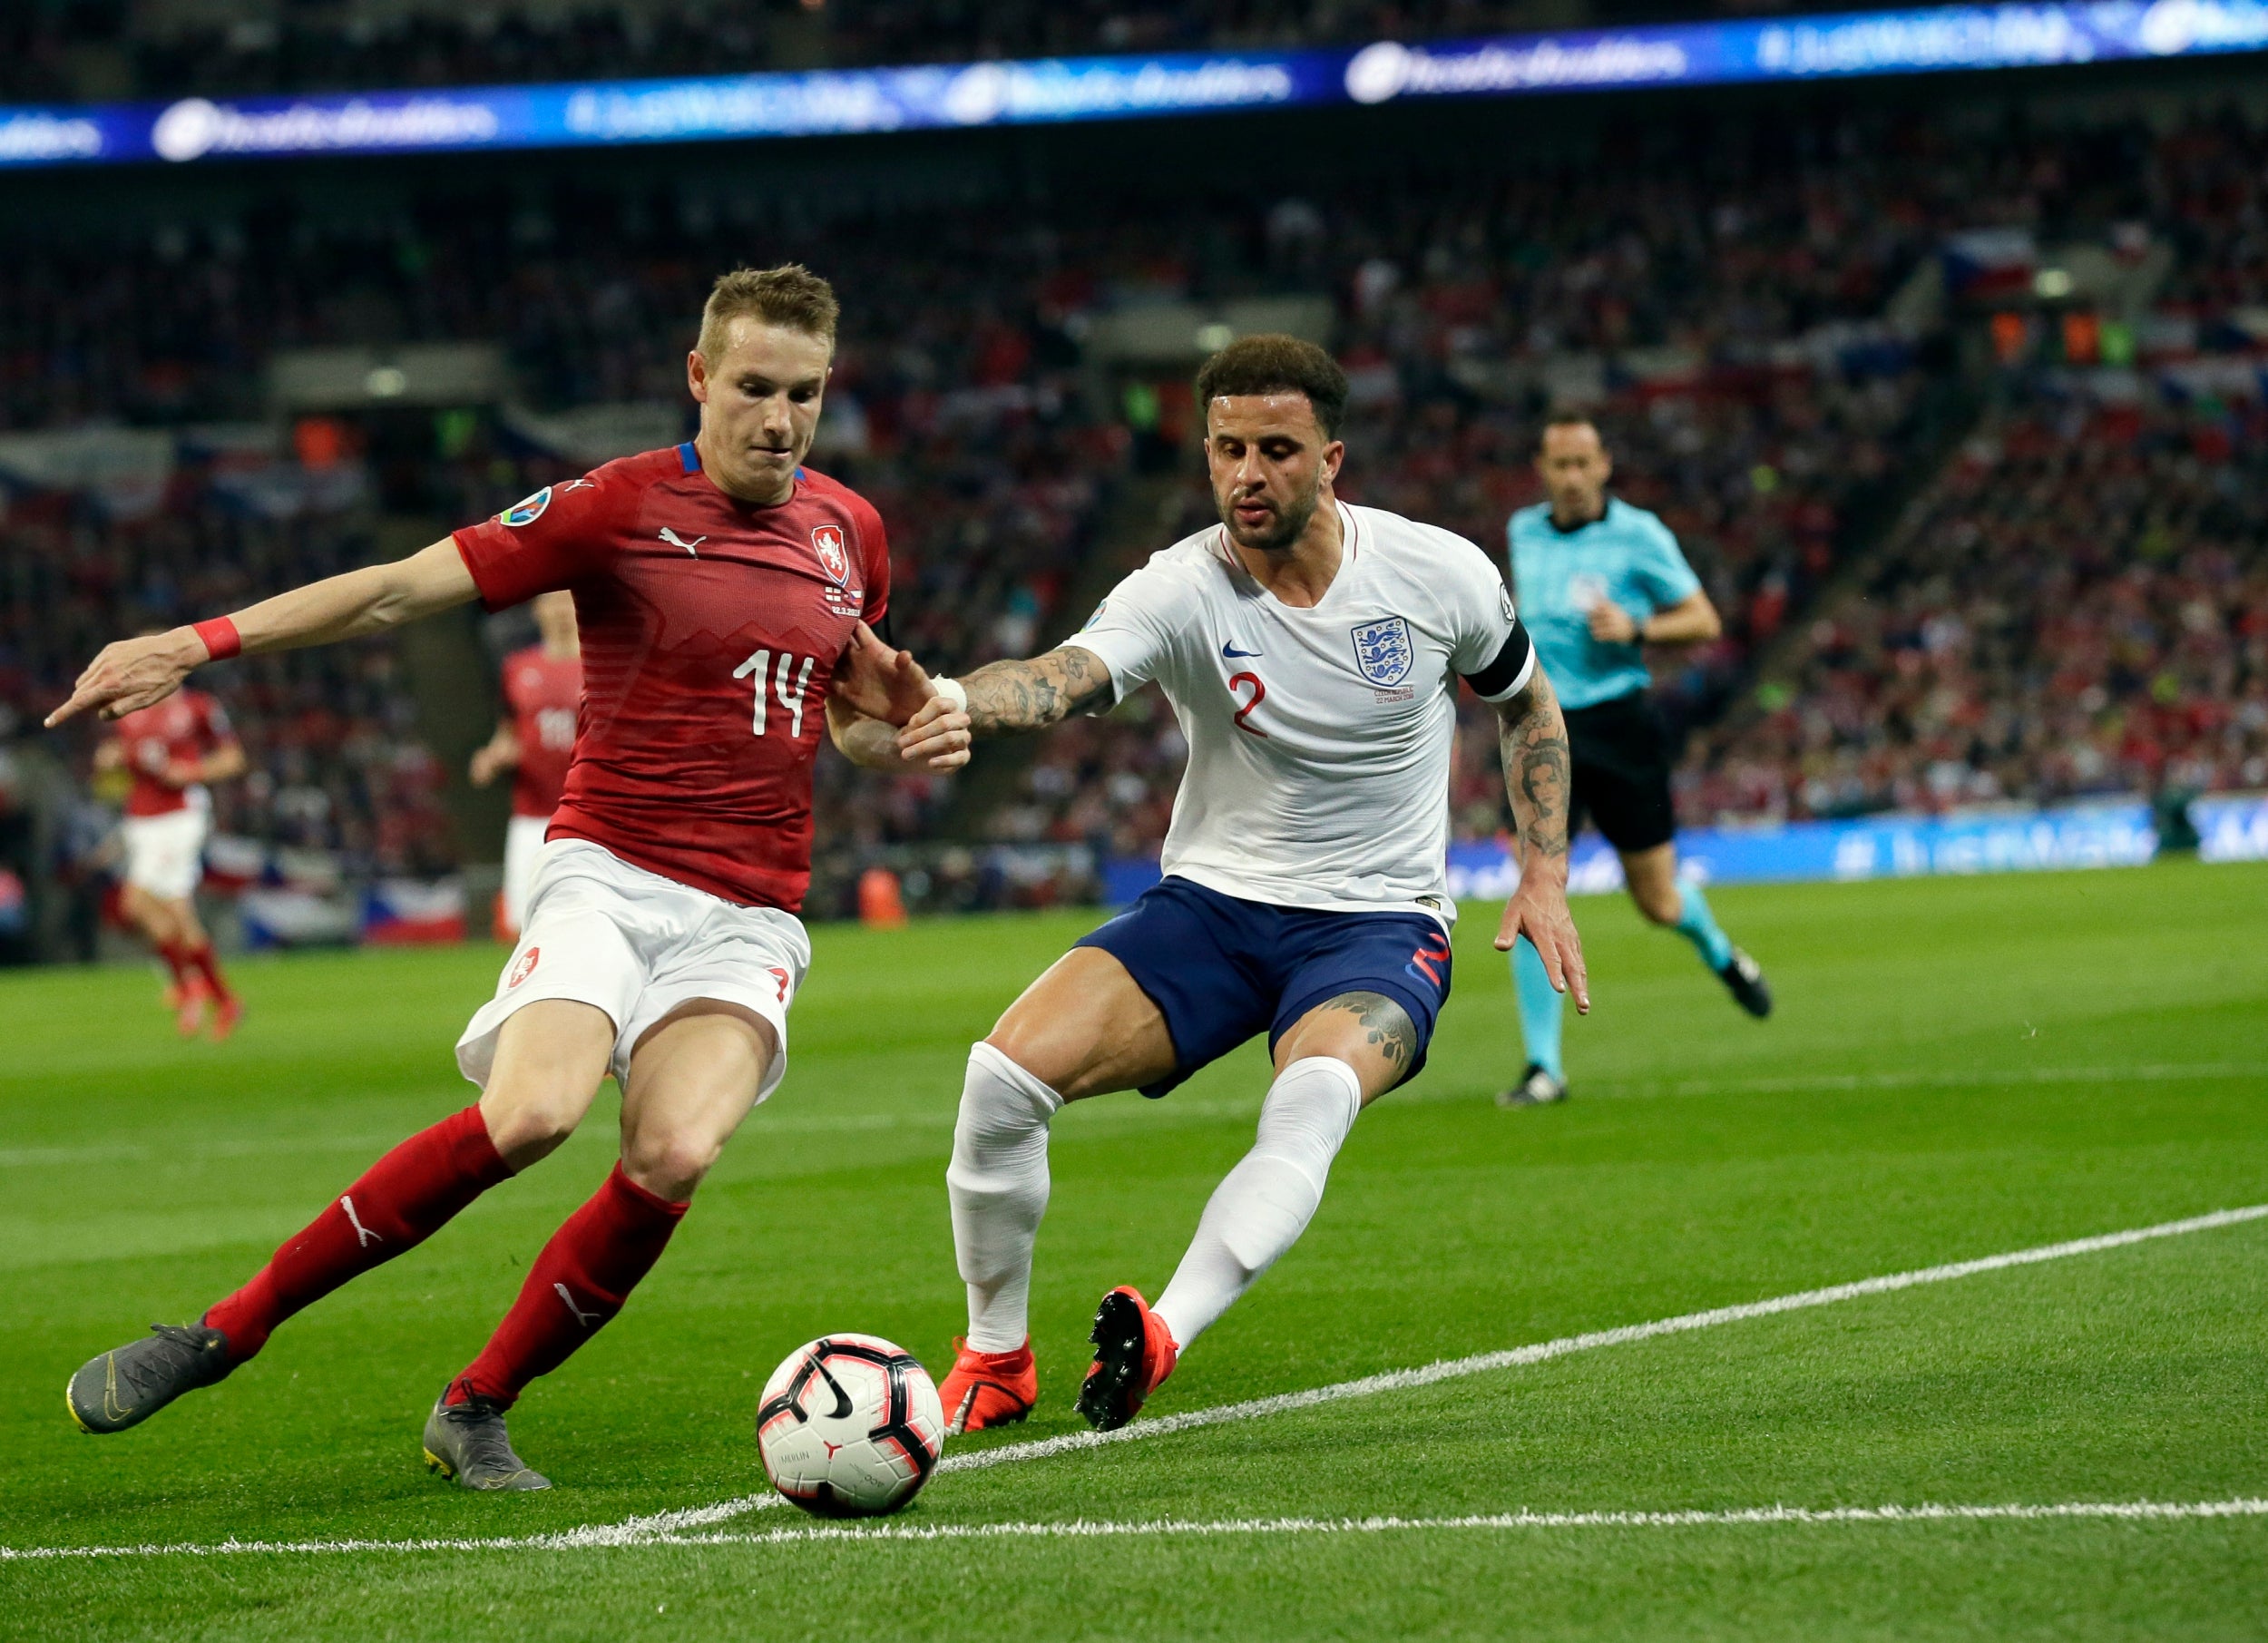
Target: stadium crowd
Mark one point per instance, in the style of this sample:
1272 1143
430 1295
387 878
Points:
1725 304
2080 606
338 770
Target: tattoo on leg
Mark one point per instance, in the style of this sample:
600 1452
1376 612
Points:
1387 1025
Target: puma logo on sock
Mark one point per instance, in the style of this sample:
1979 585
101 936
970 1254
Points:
589 1320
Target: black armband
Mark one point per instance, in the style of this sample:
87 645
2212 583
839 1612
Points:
1509 671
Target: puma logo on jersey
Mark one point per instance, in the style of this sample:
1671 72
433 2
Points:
675 541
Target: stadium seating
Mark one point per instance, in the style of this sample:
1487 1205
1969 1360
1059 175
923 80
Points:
2080 606
1737 310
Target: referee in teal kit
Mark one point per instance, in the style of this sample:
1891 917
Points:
1596 580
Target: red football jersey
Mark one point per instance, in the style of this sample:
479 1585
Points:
544 693
710 627
188 724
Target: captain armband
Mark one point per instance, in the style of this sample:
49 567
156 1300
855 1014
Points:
1508 674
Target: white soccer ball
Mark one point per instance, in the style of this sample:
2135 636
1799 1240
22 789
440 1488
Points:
850 1426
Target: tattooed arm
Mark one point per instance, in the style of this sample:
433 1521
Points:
1532 738
1009 696
1032 695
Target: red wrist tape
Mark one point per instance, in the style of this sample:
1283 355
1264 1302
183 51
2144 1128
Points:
220 637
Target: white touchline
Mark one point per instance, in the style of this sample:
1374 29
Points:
667 1528
1081 1529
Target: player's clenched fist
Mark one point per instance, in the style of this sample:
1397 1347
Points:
131 674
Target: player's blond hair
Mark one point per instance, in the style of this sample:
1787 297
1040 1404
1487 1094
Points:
790 296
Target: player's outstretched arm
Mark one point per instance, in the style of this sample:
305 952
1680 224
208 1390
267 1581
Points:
1009 695
135 672
1532 736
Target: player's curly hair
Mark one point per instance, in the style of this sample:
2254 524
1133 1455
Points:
789 296
1273 363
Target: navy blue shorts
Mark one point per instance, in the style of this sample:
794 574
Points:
1220 968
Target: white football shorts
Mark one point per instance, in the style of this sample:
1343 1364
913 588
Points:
165 855
637 945
523 838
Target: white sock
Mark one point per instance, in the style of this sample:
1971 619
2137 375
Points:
1264 1203
998 1182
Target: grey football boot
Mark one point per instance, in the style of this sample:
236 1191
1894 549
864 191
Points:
127 1385
467 1443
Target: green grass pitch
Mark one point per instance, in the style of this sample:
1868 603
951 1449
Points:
1958 1068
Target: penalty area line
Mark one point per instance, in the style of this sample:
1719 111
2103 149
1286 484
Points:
670 1527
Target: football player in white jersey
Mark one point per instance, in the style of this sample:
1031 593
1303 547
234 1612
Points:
1312 652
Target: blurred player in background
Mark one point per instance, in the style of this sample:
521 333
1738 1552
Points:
169 752
544 691
1312 653
725 592
1598 580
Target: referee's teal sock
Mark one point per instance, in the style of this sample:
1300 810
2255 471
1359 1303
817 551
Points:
1698 925
1540 1007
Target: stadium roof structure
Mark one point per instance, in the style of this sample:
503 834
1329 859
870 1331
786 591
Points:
822 103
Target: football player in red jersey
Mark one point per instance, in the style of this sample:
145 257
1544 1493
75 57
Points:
727 599
173 750
543 689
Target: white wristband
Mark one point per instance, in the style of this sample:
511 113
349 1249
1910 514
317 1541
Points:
952 691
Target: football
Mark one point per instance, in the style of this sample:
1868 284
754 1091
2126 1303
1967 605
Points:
850 1426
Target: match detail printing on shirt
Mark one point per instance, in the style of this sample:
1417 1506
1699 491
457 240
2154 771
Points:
1319 739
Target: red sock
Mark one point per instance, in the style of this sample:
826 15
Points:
201 959
580 1281
399 1202
176 959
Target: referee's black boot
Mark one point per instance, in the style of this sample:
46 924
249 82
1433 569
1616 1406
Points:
1537 1087
1743 978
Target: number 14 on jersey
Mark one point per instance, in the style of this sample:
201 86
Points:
790 694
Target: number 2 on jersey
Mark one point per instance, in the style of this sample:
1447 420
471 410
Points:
1259 695
790 695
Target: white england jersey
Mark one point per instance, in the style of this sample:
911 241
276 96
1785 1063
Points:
1319 739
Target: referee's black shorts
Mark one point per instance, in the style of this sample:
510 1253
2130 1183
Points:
1620 752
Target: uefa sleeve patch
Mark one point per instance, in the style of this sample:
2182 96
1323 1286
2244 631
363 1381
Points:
527 511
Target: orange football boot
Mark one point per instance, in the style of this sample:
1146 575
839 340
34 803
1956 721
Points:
1134 1354
226 1013
988 1388
188 1016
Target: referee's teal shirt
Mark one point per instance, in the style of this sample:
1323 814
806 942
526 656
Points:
1626 555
